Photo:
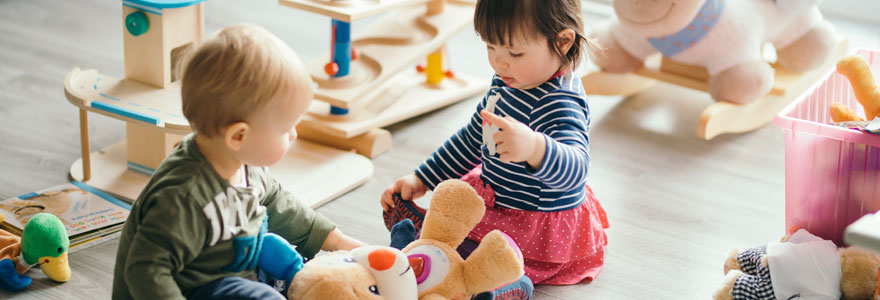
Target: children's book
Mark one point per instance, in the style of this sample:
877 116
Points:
86 212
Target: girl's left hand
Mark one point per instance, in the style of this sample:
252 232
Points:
516 142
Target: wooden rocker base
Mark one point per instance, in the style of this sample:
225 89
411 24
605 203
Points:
314 173
719 117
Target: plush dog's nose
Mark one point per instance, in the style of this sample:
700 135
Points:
381 259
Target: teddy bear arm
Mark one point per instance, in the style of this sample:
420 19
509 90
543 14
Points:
494 263
731 262
615 55
859 273
433 297
635 45
749 260
725 291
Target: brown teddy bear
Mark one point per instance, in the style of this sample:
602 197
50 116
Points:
441 273
802 266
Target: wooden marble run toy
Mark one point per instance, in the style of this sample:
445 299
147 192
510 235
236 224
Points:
367 79
719 117
148 100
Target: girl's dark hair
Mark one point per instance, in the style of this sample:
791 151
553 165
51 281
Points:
499 21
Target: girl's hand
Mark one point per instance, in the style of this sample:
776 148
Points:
516 142
409 187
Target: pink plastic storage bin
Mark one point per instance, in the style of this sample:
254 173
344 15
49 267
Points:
832 174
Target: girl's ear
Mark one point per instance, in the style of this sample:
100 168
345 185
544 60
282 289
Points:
564 40
235 135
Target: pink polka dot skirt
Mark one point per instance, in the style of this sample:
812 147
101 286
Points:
560 248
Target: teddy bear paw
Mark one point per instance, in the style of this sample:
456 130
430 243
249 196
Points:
725 291
731 262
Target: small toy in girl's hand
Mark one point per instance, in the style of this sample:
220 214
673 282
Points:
489 129
802 266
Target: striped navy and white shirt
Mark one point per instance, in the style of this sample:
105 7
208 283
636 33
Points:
557 109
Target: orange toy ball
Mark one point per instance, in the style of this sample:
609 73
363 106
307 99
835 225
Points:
331 68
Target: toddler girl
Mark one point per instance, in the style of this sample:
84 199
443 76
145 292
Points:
526 148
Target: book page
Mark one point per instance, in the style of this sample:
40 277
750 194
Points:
81 208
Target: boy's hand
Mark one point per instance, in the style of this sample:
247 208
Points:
409 187
516 142
337 240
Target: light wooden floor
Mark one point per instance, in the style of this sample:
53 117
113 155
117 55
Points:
676 204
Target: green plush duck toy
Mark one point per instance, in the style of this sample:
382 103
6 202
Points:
44 242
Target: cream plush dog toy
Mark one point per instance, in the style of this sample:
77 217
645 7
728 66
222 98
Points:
724 36
801 266
428 268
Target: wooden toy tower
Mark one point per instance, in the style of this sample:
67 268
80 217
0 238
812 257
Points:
156 34
369 80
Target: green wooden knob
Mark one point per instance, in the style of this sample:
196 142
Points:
137 23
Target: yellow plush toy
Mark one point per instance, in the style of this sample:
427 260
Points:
858 72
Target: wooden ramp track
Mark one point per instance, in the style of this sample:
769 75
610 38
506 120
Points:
410 97
386 47
349 10
719 117
127 100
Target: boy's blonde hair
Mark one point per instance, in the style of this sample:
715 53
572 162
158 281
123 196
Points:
236 73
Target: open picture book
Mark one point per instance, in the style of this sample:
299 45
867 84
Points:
87 213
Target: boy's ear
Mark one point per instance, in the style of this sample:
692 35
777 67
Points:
564 40
235 134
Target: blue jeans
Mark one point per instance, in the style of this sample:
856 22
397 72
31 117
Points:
235 288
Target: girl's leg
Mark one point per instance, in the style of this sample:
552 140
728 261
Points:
234 287
402 233
518 290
